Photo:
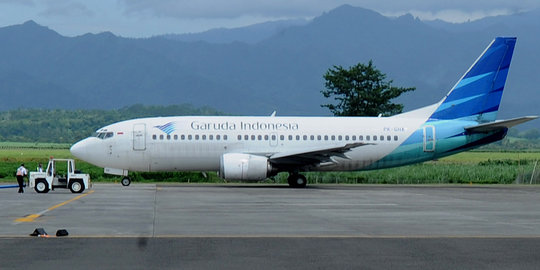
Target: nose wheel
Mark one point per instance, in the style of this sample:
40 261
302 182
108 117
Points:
126 181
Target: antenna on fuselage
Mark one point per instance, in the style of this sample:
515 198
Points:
273 114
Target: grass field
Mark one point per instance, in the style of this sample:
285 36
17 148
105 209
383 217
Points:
477 156
468 167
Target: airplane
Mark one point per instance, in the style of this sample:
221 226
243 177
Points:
250 148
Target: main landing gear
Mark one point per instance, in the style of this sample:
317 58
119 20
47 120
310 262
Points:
297 180
126 181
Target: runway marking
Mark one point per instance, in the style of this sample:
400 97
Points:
32 217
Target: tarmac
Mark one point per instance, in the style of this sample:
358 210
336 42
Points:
266 226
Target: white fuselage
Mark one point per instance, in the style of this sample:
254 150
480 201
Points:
197 143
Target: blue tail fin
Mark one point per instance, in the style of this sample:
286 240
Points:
478 94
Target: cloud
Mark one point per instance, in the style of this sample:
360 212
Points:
17 2
212 9
66 8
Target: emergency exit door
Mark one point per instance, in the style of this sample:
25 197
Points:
139 137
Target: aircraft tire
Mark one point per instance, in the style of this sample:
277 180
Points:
126 181
297 181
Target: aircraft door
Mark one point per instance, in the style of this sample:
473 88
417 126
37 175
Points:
139 137
429 138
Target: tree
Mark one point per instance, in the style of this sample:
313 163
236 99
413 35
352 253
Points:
361 90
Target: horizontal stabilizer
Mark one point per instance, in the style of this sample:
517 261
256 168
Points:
500 124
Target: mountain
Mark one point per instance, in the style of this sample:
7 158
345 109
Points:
282 71
249 34
513 21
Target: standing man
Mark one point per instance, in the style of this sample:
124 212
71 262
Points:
21 172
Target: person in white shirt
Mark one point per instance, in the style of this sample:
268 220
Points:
21 172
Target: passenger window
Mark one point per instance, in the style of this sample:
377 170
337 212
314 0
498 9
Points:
388 138
319 137
204 137
252 137
290 137
182 137
347 137
340 138
305 137
382 137
354 137
361 138
282 137
259 137
333 137
274 137
246 137
266 137
154 137
395 138
239 137
297 137
211 137
367 138
190 137
175 137
161 137
225 137
374 137
219 137
326 137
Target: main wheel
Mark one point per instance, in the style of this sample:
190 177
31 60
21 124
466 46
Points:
126 181
76 186
297 181
41 186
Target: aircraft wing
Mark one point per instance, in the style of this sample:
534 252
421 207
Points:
500 124
312 156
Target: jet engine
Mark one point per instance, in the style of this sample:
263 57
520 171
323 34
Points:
237 166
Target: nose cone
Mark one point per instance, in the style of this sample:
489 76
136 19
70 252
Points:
80 150
91 150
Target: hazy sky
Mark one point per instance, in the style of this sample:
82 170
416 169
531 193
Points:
144 18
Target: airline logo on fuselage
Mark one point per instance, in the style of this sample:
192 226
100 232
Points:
171 127
168 128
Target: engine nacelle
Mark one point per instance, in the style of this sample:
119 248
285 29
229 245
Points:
236 166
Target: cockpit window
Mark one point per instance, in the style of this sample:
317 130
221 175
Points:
104 135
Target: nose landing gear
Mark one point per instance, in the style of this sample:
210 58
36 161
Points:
126 181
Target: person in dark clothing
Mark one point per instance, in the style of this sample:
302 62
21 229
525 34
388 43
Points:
21 173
